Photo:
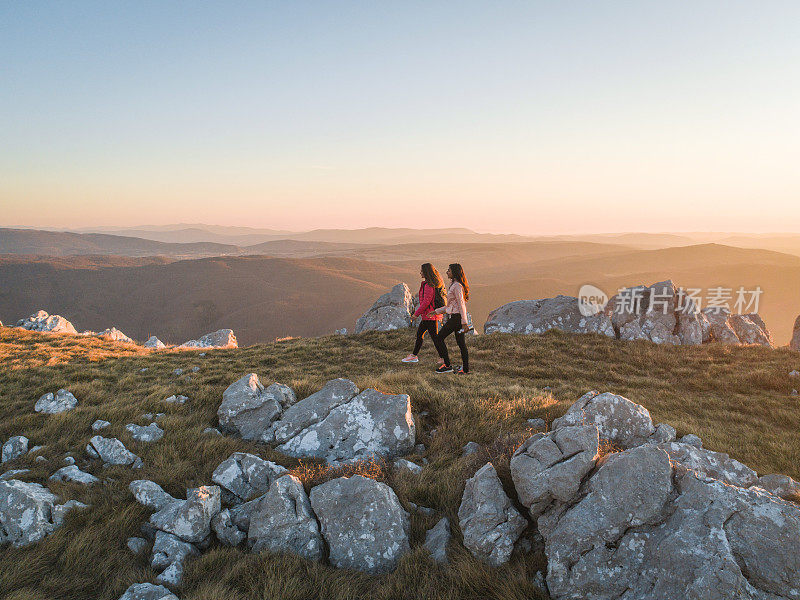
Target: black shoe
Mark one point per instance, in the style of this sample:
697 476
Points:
444 369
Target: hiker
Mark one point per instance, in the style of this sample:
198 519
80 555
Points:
431 297
458 321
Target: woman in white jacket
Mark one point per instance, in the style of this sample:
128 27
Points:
457 322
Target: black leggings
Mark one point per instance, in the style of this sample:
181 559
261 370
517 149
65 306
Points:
430 326
453 325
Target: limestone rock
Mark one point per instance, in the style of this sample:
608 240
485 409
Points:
727 328
782 486
150 494
248 408
795 343
41 321
175 399
470 448
151 433
692 440
550 467
100 424
363 523
370 425
617 418
147 591
15 447
226 531
155 343
391 311
401 464
222 338
490 523
538 316
436 540
137 545
283 521
29 512
664 433
115 335
245 475
169 549
112 452
51 403
713 464
190 519
73 473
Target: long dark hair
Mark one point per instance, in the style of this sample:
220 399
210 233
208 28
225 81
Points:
458 275
432 277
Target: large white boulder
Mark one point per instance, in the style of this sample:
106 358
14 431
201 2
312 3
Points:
248 408
51 404
155 343
362 522
29 512
244 475
538 316
391 311
222 338
41 321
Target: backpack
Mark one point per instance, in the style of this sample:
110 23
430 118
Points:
438 297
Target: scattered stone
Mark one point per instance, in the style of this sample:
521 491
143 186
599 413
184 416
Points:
551 467
190 519
423 510
794 393
245 475
137 545
391 311
212 431
537 424
147 591
15 447
155 343
407 465
178 372
794 373
436 540
617 418
153 417
12 473
112 452
222 338
226 531
41 321
175 400
490 523
28 512
73 473
172 575
69 460
41 459
363 523
692 440
419 449
169 549
547 389
150 494
50 403
151 433
283 521
782 486
100 424
342 331
368 426
470 448
248 408
115 335
144 370
35 449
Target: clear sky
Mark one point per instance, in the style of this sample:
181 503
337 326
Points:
527 117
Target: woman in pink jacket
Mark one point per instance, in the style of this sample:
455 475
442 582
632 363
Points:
431 297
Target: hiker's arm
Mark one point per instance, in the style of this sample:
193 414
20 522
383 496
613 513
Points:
462 305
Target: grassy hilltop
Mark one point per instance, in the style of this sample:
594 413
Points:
736 398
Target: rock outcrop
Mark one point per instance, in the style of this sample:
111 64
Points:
51 404
490 523
155 343
391 311
655 520
248 408
661 313
222 338
369 425
43 322
362 522
243 476
283 521
795 343
115 335
147 591
150 494
29 512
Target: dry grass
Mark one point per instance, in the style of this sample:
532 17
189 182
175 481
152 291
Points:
736 399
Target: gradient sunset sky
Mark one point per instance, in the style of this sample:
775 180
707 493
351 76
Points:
525 117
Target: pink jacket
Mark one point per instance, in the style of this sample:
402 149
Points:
456 302
426 302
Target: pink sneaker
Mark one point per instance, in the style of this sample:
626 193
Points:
411 358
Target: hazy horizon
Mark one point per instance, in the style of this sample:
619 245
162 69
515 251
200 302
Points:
530 118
